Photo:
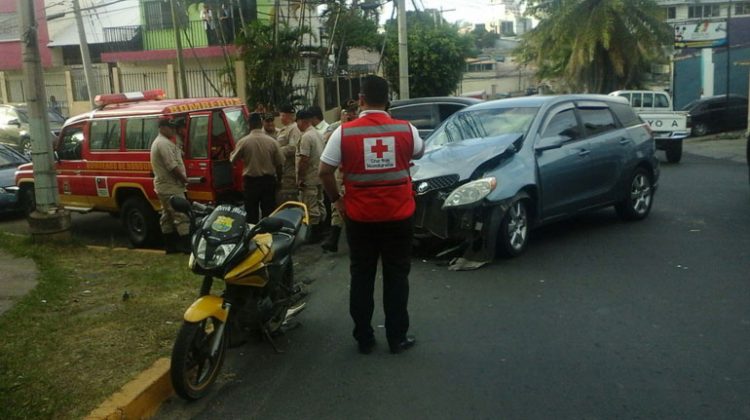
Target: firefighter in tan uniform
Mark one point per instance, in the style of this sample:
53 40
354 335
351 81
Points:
309 150
170 179
288 138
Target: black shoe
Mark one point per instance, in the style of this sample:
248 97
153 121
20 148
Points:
366 346
331 244
183 244
405 344
170 243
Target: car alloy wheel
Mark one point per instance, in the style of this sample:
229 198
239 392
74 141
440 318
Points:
514 229
637 203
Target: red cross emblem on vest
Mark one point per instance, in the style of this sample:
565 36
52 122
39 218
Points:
379 148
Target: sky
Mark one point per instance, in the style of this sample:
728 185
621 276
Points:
472 11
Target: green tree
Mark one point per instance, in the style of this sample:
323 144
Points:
351 26
595 45
484 38
437 55
271 63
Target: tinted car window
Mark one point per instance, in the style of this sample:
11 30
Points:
70 144
662 101
625 114
564 124
648 100
140 132
446 110
199 137
596 120
419 115
104 135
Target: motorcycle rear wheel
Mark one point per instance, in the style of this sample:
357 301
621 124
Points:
193 369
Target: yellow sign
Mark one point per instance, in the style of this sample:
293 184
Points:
194 106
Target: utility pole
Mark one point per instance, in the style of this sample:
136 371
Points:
87 70
178 42
48 220
403 52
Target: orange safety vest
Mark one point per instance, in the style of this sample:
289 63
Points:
376 151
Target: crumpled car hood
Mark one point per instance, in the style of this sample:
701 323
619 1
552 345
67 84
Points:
460 158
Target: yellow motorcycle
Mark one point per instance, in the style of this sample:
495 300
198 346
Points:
255 262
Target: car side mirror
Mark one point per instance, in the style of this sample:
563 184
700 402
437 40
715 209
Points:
549 143
15 122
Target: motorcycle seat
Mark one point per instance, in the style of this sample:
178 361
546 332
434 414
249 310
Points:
282 245
291 219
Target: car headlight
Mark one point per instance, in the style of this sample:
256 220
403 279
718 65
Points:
217 258
470 193
8 190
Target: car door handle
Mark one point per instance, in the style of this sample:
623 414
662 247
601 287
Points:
584 153
624 141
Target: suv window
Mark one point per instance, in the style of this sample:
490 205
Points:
140 133
597 120
564 124
104 135
198 137
648 100
420 115
70 144
625 114
662 101
636 100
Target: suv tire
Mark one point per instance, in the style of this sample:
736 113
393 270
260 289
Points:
140 221
638 198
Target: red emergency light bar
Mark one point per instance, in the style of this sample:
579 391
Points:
121 98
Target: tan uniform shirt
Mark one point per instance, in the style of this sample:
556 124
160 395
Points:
260 154
311 145
289 136
165 156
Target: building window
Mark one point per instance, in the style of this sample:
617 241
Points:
698 12
9 27
506 28
742 8
158 14
671 13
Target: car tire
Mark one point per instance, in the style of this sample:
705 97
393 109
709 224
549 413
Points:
27 199
699 129
639 197
674 152
140 221
513 235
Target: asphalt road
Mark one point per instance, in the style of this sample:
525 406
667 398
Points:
599 319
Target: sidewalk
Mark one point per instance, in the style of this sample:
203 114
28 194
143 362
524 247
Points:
731 146
18 278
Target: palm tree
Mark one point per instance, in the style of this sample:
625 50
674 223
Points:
595 45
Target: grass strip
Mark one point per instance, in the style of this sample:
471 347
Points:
96 319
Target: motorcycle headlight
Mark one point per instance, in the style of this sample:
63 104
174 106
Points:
209 256
470 193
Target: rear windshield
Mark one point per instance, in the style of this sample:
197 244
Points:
483 123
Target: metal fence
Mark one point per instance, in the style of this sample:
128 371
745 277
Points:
101 81
209 82
136 82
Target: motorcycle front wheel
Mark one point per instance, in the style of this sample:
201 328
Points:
194 369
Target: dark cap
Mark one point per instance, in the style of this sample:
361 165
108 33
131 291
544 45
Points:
254 118
268 116
304 114
168 122
351 106
287 108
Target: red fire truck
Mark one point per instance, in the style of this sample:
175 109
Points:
103 157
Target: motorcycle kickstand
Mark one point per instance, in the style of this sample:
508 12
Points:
270 339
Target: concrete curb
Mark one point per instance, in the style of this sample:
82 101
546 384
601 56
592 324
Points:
140 398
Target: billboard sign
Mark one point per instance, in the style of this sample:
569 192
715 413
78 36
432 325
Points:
700 34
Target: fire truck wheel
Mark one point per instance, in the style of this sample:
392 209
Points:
140 221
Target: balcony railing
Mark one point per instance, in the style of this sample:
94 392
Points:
140 37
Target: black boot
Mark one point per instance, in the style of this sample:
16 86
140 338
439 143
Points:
316 234
331 244
170 243
183 244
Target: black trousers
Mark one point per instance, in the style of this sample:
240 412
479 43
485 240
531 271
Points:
260 196
390 242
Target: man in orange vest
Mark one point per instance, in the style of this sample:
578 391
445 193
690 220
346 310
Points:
374 153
